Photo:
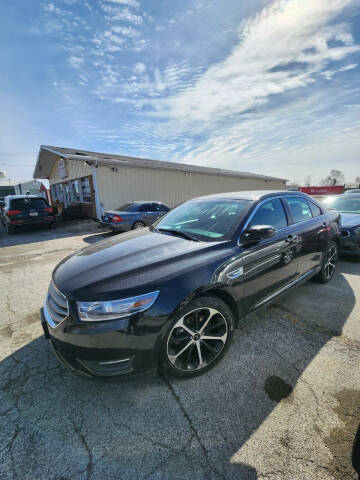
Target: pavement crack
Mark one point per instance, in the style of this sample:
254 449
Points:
191 426
90 463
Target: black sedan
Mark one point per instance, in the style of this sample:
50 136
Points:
133 215
169 296
349 208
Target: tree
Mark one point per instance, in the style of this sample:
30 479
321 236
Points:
335 177
307 181
357 180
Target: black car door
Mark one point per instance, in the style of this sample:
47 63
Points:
270 264
309 225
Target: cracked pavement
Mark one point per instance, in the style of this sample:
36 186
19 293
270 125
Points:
227 424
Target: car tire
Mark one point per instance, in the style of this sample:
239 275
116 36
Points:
138 224
9 230
204 317
328 263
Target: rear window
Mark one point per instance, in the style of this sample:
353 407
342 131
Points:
127 207
28 204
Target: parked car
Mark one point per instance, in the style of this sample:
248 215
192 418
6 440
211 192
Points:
169 296
133 215
351 191
349 208
22 210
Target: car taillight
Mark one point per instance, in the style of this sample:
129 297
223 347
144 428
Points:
49 209
13 212
116 218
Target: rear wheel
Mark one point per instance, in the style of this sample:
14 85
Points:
197 338
329 263
138 224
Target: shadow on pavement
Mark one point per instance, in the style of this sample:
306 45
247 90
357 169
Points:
91 239
55 425
38 233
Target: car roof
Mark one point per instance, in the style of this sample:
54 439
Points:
146 201
254 195
353 195
12 197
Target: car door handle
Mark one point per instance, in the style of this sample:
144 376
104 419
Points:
292 239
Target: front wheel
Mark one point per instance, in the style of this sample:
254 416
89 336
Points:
329 263
197 338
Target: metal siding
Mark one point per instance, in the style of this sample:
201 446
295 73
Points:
74 169
168 186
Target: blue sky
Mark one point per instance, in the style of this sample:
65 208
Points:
269 87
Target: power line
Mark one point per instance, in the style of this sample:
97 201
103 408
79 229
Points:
15 154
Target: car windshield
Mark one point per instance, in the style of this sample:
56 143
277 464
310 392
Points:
344 204
127 207
206 220
28 203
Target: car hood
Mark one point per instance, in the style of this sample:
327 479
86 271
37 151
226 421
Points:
350 219
131 263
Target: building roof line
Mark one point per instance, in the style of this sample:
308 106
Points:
121 160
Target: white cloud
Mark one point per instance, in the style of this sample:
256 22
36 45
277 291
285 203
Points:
50 7
281 49
129 3
126 31
139 68
76 62
348 67
126 16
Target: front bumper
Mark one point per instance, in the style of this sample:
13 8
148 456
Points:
116 227
350 244
106 350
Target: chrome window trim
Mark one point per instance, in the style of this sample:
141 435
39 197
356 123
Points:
290 224
256 209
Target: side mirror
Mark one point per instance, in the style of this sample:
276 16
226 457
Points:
258 232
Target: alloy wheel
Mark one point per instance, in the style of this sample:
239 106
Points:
330 263
138 225
197 339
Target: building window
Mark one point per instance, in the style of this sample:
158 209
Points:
75 191
86 190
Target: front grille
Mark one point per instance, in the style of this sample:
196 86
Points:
57 305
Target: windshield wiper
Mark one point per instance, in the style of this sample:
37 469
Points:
177 232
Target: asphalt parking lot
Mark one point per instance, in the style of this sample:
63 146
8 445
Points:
283 404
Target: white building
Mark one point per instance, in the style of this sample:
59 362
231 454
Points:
101 181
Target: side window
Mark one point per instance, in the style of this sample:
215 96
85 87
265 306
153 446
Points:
155 207
163 208
270 213
299 208
146 207
315 210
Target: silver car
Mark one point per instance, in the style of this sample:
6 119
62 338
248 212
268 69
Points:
133 215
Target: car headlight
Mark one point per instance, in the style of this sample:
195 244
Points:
100 311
